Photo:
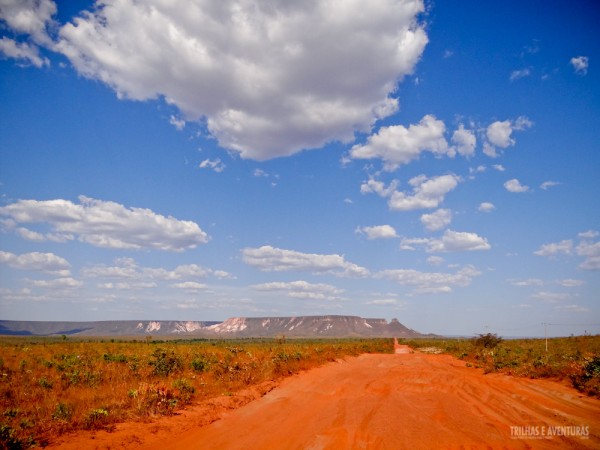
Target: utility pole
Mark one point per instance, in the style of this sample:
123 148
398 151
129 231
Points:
546 334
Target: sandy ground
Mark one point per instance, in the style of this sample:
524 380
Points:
403 401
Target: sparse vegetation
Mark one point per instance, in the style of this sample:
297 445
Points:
575 360
50 386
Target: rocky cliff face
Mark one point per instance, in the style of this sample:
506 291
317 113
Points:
235 327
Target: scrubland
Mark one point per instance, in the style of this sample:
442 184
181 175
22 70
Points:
51 386
574 360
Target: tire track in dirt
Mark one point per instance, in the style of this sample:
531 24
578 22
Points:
405 400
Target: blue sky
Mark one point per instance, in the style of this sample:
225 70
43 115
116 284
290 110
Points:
436 162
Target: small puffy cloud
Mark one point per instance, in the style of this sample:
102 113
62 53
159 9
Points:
58 283
24 52
178 123
590 234
591 252
586 248
430 282
572 308
378 187
435 260
427 192
30 17
301 289
190 286
548 184
555 248
515 186
456 241
107 224
551 297
378 232
486 207
499 167
464 140
499 134
580 64
451 241
40 262
271 259
570 282
437 220
264 86
212 164
384 302
397 145
527 282
518 74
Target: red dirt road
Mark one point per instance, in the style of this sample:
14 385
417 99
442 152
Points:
400 401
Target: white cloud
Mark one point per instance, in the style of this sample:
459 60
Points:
580 64
569 282
273 259
551 297
107 224
178 123
378 232
455 241
499 167
590 234
499 134
430 282
486 207
301 289
437 220
451 241
572 308
190 286
384 302
464 140
527 282
435 260
427 192
518 74
58 283
127 268
515 186
42 262
591 252
29 17
552 249
586 248
397 145
266 86
23 52
31 235
212 164
548 184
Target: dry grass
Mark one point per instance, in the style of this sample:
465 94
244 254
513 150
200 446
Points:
49 387
575 360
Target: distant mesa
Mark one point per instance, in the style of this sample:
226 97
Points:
235 327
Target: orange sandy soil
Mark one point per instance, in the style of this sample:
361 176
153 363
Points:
403 401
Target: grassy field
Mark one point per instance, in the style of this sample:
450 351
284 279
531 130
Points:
575 360
52 386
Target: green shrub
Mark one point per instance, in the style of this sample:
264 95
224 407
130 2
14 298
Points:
96 418
488 340
165 362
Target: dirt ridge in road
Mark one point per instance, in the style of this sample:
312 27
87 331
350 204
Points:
405 400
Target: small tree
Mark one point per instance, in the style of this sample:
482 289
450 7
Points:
488 340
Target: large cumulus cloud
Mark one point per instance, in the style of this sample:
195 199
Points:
268 78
